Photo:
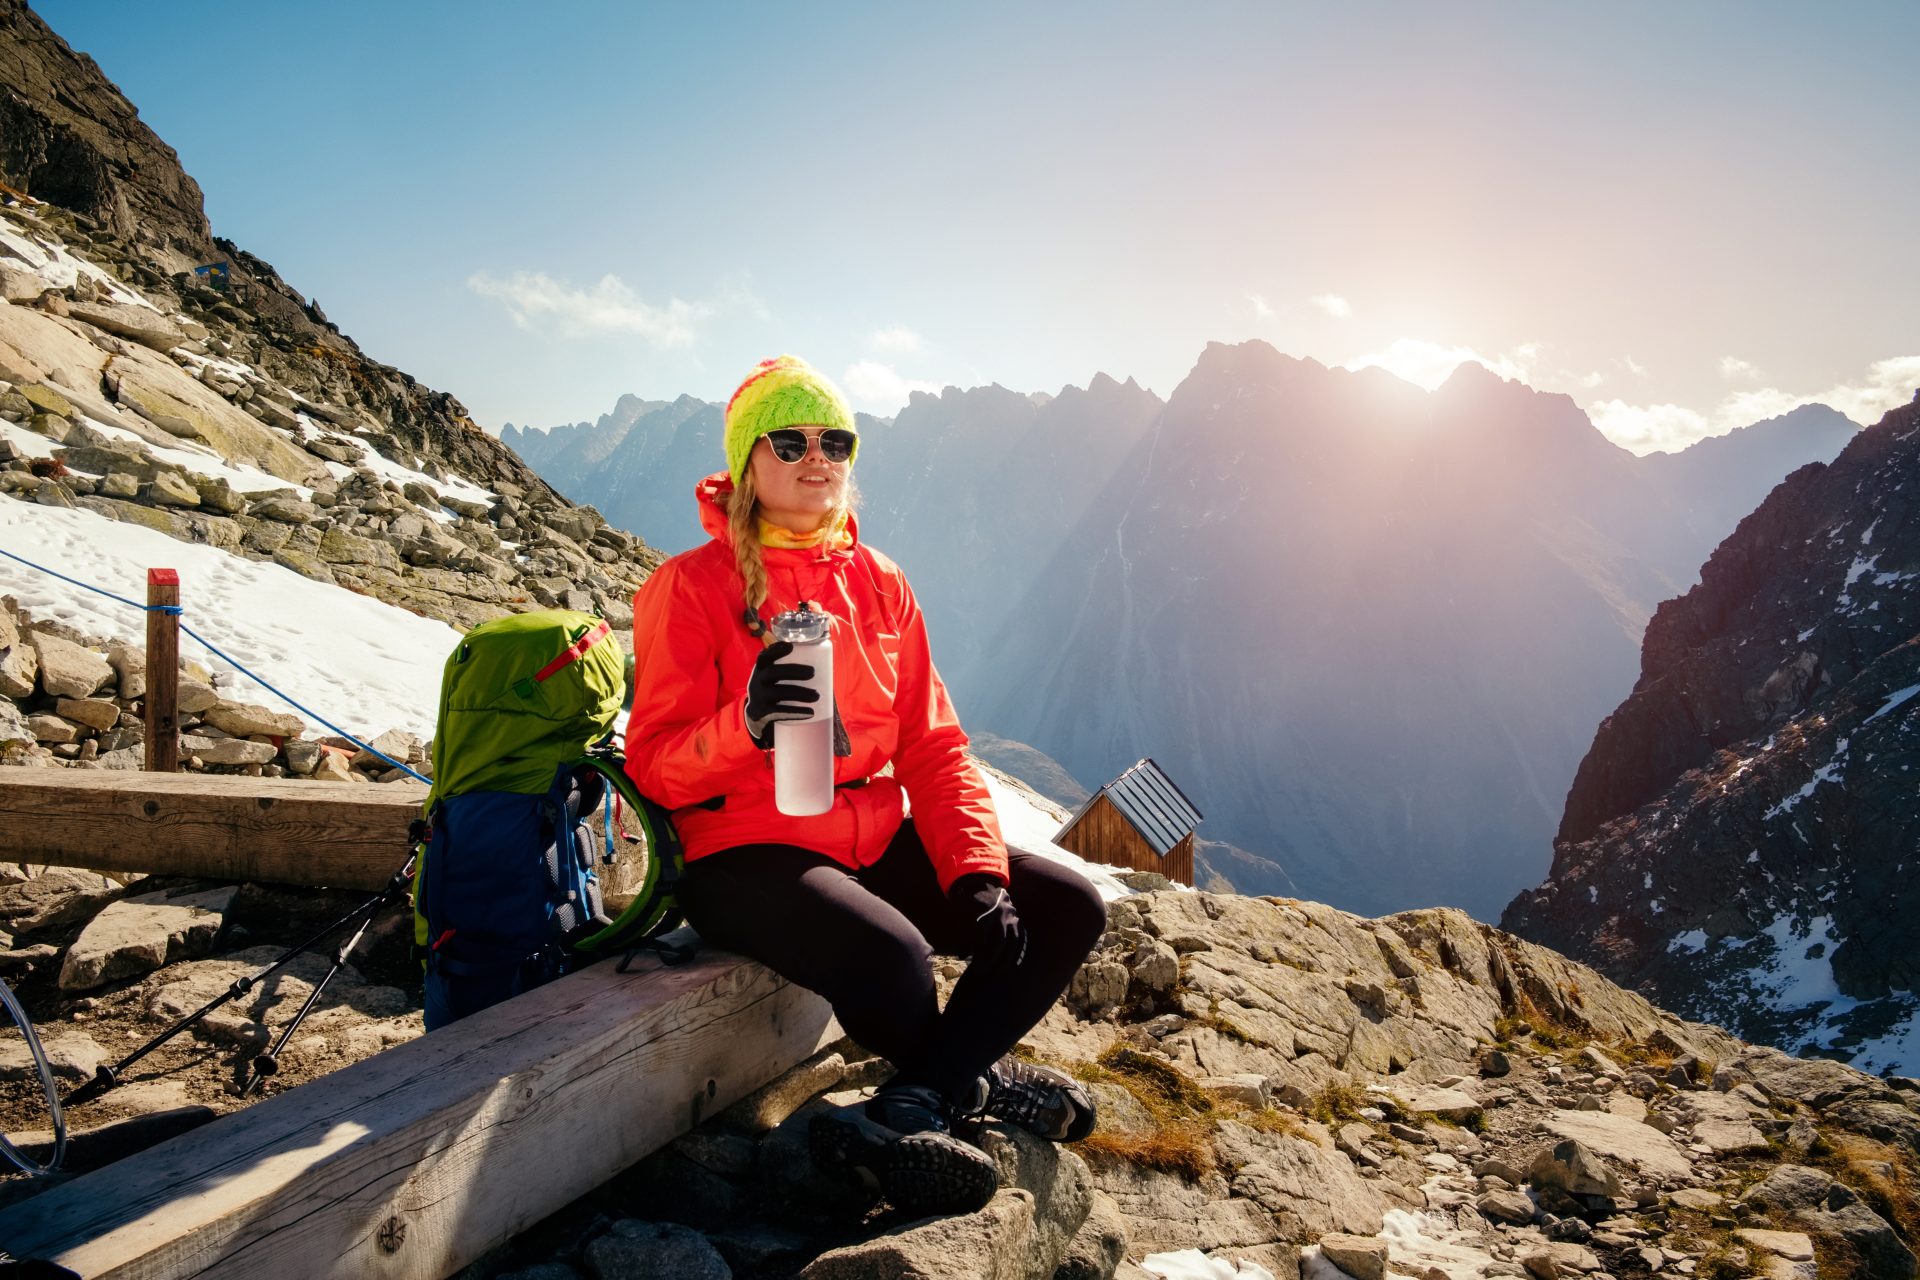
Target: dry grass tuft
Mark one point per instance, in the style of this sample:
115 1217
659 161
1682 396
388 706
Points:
1184 1148
1337 1104
1884 1175
1166 1091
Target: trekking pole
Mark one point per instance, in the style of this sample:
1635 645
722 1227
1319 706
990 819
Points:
106 1077
268 1063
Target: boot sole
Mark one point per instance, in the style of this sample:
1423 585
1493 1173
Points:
918 1173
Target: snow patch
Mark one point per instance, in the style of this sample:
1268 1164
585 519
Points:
1894 702
1191 1264
1688 943
373 667
53 263
1832 771
1031 829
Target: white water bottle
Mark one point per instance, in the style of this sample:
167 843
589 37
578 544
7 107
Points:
803 749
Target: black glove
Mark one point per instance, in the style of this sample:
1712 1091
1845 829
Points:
998 936
774 692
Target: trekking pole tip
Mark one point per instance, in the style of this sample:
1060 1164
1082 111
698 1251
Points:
104 1078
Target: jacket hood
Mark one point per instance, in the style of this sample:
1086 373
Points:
712 493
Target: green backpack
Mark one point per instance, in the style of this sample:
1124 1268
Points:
507 880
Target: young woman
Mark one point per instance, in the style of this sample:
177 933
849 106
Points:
854 902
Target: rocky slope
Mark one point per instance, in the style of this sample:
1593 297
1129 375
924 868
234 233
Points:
1281 1084
1738 841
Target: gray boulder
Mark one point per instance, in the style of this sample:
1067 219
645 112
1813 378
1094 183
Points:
989 1245
1362 1257
13 725
245 719
54 899
143 325
138 935
1100 1244
229 751
19 670
1570 1167
170 489
97 714
129 663
73 1055
52 729
68 670
285 508
637 1250
1057 1179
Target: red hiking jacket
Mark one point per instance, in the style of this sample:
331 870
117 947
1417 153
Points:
687 740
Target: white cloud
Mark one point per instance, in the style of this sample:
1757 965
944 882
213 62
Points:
1732 367
537 301
1590 380
1333 304
895 338
1648 428
1887 385
1261 307
1428 364
1634 367
878 388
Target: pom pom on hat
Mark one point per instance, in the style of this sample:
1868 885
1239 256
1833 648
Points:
785 391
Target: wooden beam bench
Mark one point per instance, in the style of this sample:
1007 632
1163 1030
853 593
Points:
415 1161
343 835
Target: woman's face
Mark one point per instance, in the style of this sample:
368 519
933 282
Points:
798 496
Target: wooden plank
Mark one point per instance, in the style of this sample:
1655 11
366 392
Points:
161 705
415 1161
347 835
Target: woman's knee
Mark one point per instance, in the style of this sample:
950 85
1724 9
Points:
1059 902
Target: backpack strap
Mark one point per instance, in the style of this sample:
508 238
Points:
653 910
568 656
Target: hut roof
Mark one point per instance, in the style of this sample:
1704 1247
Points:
1152 804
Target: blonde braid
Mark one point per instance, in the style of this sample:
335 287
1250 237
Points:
743 526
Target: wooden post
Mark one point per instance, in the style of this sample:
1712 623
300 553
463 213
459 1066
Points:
163 672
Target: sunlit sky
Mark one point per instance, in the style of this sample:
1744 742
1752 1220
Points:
1688 217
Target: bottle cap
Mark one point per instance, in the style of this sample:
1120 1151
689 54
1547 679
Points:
804 625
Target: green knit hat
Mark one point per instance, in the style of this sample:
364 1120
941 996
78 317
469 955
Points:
785 391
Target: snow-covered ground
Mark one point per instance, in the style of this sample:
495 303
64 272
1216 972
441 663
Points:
365 665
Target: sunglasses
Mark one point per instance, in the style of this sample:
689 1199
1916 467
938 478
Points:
789 444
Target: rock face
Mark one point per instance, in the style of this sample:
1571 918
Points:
68 136
1736 840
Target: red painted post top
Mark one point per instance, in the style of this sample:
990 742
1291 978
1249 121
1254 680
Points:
163 577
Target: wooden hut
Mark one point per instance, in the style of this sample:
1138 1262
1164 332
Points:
1141 820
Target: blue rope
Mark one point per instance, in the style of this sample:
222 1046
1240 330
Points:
237 666
175 610
76 582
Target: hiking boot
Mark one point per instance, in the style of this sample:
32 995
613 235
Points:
898 1145
1038 1098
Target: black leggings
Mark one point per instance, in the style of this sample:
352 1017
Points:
865 940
